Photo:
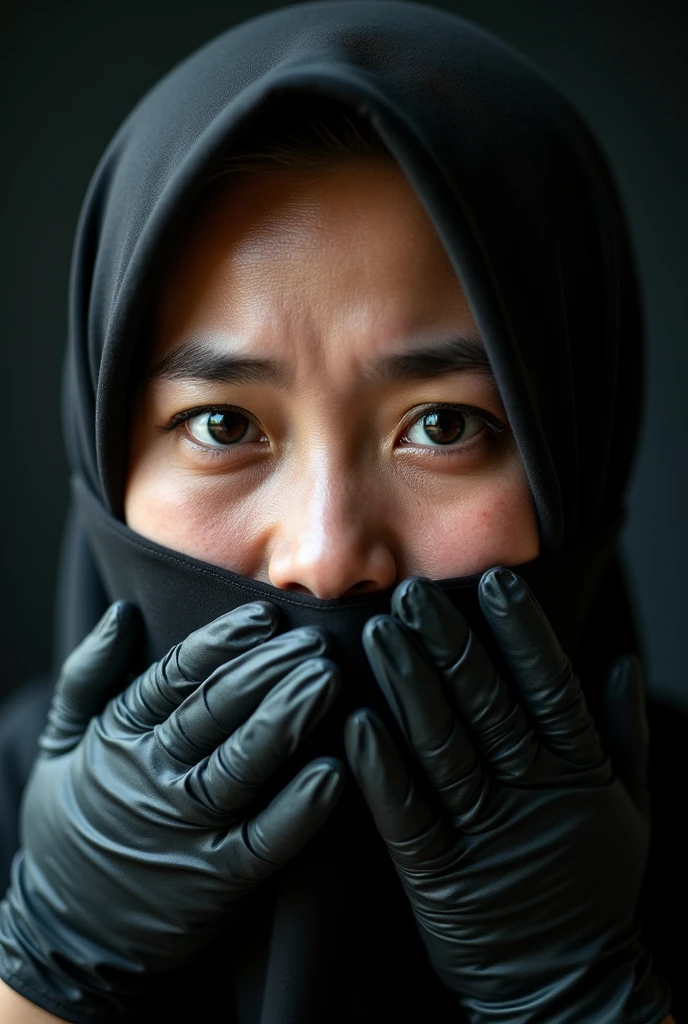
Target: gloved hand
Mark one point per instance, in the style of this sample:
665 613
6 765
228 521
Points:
142 827
520 851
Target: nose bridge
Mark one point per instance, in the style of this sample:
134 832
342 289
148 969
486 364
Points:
331 519
331 538
330 487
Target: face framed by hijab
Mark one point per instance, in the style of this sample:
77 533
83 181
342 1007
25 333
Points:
352 300
492 256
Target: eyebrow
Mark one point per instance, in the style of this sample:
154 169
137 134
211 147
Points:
450 355
201 361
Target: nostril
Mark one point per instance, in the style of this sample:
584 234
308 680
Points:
362 587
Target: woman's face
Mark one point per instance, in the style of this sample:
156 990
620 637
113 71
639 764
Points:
318 412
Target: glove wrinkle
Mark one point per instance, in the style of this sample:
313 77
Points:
134 814
527 905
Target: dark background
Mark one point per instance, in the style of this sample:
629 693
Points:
70 73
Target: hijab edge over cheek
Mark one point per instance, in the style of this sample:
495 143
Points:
156 578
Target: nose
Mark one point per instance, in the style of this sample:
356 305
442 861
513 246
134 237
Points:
331 542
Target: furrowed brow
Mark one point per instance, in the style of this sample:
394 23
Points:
461 352
202 362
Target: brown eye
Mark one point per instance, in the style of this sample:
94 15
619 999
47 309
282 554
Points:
221 428
444 427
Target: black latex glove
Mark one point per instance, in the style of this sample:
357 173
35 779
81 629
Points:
520 851
139 828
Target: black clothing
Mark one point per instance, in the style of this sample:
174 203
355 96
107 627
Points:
21 719
665 894
525 205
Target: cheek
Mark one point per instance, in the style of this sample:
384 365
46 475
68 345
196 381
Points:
486 522
200 517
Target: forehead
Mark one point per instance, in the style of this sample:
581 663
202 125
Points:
335 261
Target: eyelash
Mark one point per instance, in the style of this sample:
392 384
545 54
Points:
207 451
497 429
198 410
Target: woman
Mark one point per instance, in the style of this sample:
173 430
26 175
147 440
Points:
347 286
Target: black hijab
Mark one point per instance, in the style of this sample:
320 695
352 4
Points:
524 204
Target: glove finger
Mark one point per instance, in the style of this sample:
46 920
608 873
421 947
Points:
224 701
88 677
410 826
482 698
623 724
548 686
256 850
438 739
164 685
237 770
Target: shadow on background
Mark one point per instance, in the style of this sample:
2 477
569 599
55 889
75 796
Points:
72 71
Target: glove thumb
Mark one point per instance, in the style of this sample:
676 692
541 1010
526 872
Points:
89 677
623 724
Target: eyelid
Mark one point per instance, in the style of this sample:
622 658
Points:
184 417
198 410
496 426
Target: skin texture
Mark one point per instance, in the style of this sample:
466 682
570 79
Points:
333 490
15 1009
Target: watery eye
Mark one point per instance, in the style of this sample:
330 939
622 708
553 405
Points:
220 429
444 427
